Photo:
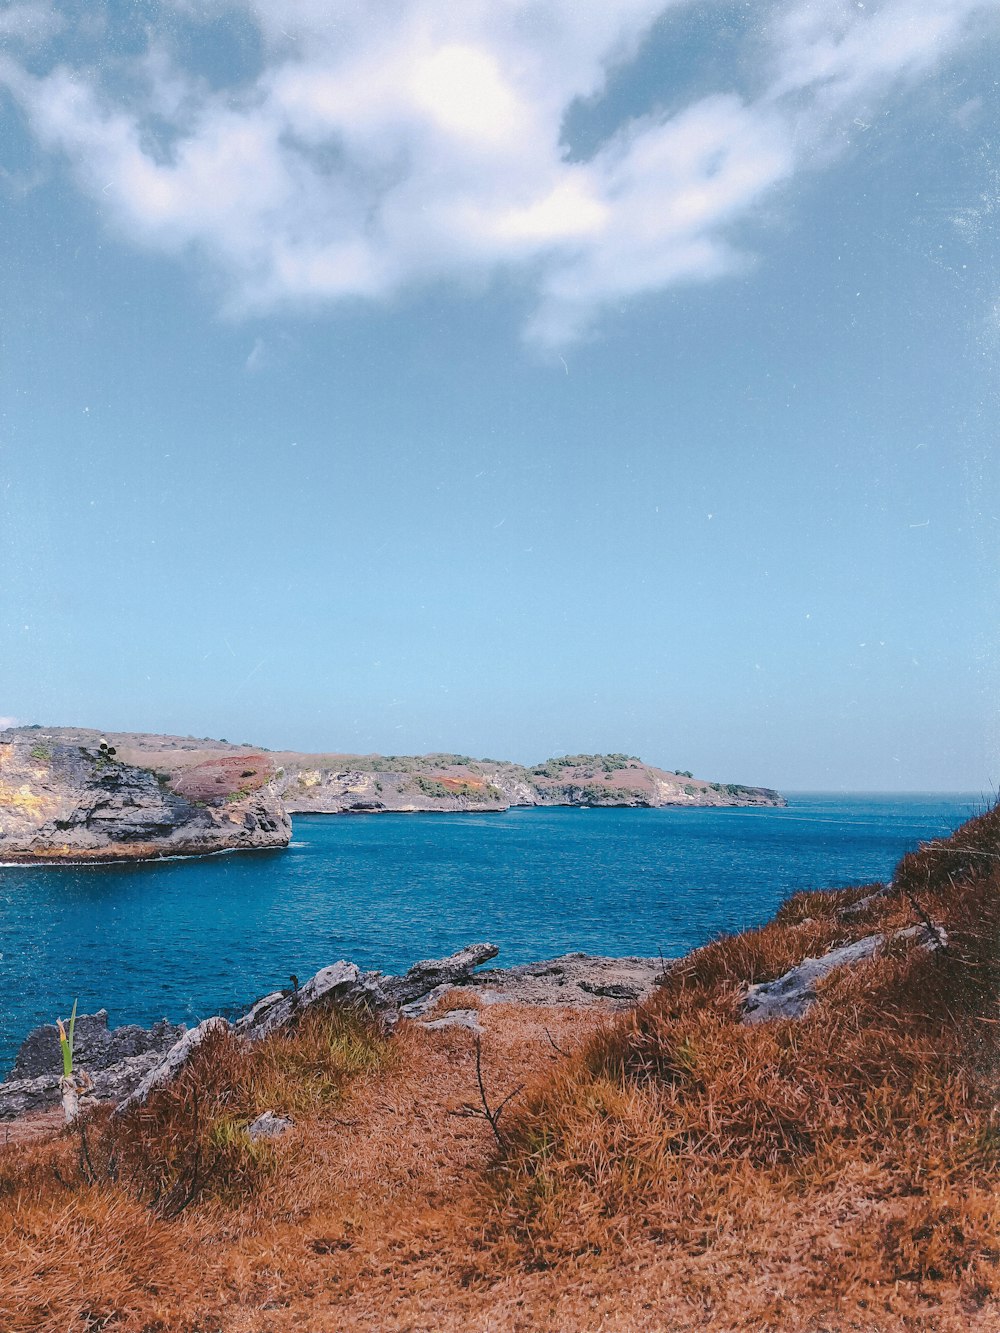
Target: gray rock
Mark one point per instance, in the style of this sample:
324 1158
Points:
454 1018
425 976
863 904
791 995
167 1069
612 990
268 1125
95 1046
23 1095
112 1084
417 1008
573 979
117 1061
341 983
120 1080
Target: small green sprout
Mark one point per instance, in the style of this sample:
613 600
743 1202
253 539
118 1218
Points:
66 1042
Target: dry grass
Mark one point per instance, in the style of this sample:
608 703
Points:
876 1113
456 998
675 1170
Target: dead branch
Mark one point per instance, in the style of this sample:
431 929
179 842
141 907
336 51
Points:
490 1113
553 1043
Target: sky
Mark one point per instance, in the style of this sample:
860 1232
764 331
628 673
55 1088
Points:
513 377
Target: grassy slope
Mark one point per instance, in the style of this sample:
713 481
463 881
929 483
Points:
672 1169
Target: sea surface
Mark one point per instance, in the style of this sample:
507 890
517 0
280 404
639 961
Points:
184 939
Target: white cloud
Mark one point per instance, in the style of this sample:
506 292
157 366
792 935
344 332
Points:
6 722
29 23
382 146
256 358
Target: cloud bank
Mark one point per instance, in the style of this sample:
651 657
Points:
378 147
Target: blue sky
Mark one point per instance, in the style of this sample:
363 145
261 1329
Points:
508 378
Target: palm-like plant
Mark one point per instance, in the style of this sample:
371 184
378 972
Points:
73 1082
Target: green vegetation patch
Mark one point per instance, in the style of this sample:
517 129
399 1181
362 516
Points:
595 763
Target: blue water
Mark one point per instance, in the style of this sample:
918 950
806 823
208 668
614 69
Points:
184 939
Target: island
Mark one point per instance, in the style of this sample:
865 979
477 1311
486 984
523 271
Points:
72 794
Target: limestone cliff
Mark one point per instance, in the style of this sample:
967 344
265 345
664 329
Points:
65 796
333 784
71 794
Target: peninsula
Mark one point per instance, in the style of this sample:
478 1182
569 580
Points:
70 794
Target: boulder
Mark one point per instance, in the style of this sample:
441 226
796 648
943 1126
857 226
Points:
341 983
790 995
425 976
269 1125
793 993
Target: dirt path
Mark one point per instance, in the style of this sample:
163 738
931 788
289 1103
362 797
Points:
380 1230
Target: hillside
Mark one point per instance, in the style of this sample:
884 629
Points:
330 784
796 1131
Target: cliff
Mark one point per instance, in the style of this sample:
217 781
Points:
333 784
66 797
73 794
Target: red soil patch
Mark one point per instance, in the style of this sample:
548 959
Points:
223 776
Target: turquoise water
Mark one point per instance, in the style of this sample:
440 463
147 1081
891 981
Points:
184 939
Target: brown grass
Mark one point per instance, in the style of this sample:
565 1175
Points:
877 1112
456 998
675 1170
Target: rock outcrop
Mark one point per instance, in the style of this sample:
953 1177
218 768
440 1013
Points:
126 1064
340 983
116 1061
423 977
369 784
572 980
795 992
65 796
167 1069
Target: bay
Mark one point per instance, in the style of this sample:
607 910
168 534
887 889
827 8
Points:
187 938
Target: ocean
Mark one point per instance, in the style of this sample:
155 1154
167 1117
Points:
187 938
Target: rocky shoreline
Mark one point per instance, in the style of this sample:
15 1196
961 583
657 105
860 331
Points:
122 1065
71 795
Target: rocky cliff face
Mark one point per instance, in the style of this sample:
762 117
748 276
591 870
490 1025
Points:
64 797
335 784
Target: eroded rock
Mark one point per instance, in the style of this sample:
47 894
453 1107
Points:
793 994
116 1061
573 979
425 976
64 800
96 1046
340 983
269 1125
167 1069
